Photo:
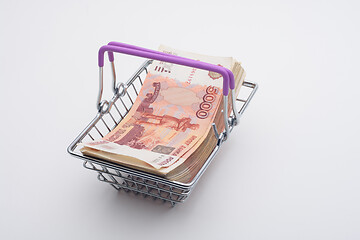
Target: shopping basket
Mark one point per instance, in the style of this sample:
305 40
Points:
110 113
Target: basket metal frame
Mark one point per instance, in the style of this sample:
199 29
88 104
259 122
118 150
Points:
136 181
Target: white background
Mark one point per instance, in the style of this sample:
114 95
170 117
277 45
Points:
289 171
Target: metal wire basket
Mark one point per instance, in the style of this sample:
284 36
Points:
132 180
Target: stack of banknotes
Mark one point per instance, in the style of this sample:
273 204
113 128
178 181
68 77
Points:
168 129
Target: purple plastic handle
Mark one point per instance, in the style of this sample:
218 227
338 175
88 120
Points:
151 54
111 57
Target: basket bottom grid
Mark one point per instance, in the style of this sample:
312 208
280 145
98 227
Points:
138 185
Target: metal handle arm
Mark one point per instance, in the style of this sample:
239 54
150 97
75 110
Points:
111 58
168 58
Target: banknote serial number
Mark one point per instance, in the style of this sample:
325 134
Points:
207 104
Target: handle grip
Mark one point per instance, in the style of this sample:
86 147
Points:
228 76
111 57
